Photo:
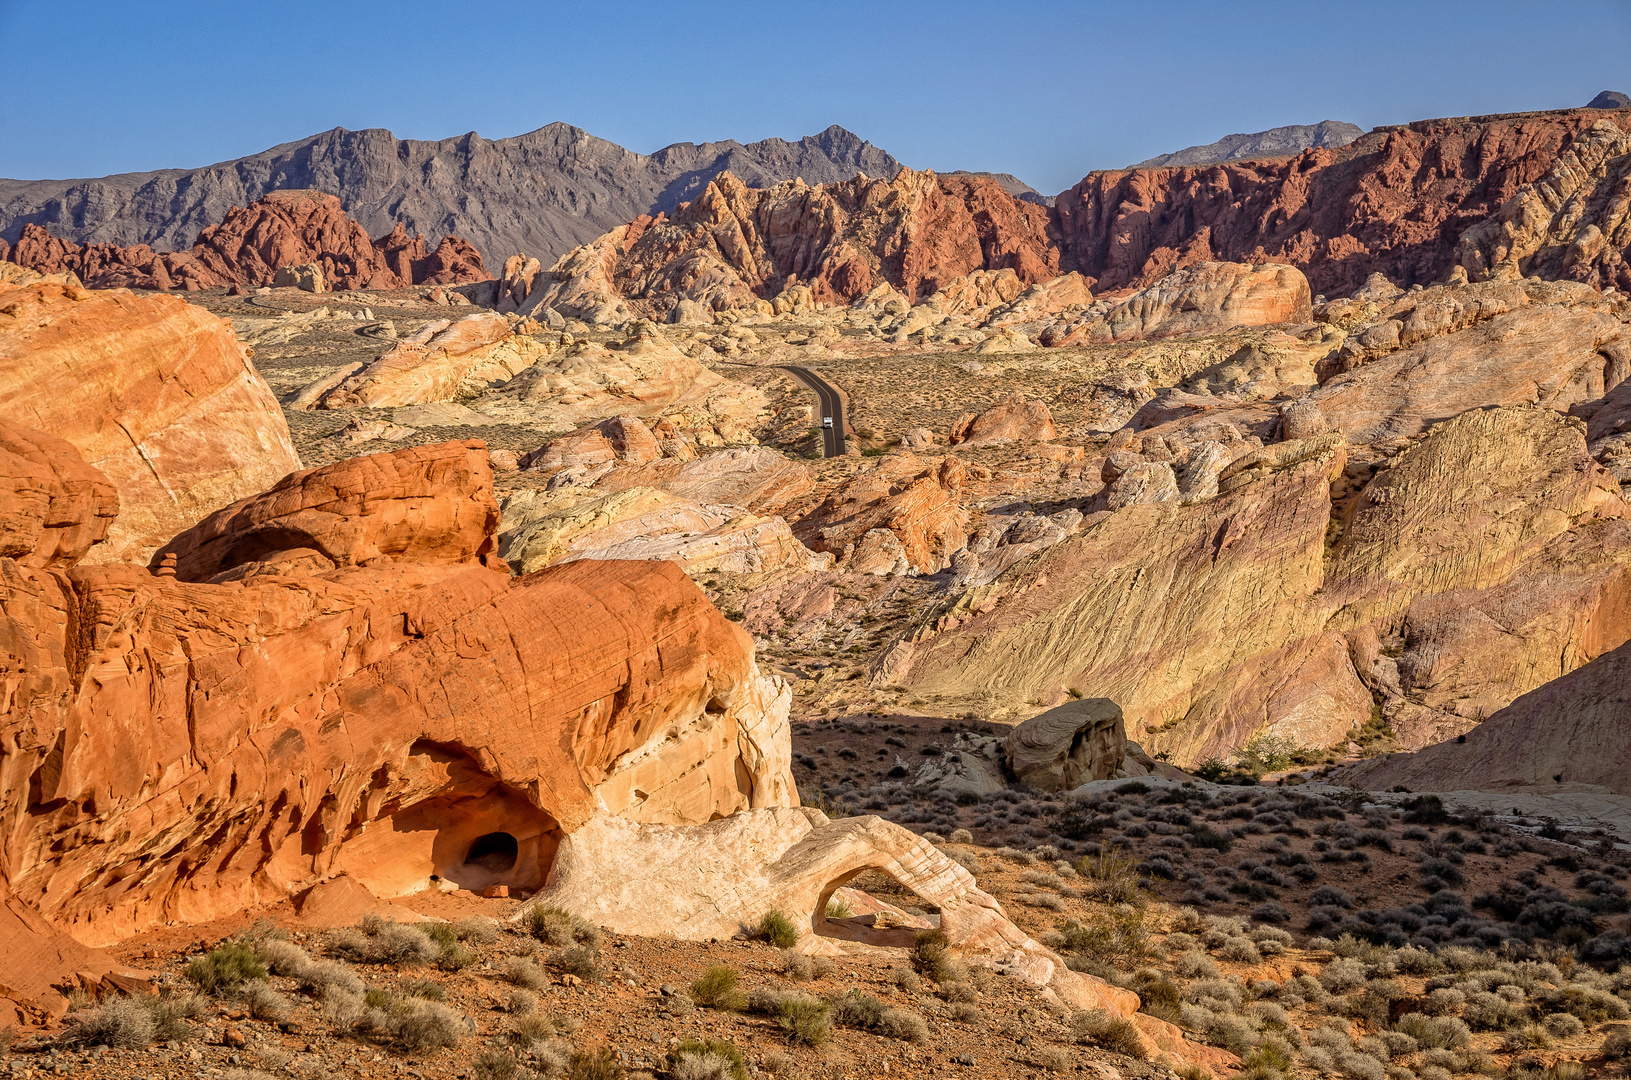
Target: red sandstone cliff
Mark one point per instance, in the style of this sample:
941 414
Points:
286 228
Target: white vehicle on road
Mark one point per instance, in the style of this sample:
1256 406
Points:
826 421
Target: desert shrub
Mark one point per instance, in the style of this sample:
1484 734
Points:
283 957
558 927
524 973
1271 912
396 943
1231 1033
838 909
263 1002
599 1064
225 967
1360 1066
776 928
1616 1045
931 958
1342 975
1105 1029
170 1014
122 1023
427 1026
319 975
1491 1012
1195 965
1119 936
493 1064
1242 950
1527 1037
903 1024
804 968
580 960
718 989
1112 875
707 1059
1434 1032
477 929
1444 1001
806 1019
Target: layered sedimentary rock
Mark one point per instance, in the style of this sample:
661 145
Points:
1068 745
1396 201
733 245
914 500
1013 419
435 364
1570 730
155 393
614 871
238 742
1494 551
251 245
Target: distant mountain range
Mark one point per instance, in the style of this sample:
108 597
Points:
1275 142
542 193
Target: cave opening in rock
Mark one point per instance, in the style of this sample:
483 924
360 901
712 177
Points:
495 852
871 906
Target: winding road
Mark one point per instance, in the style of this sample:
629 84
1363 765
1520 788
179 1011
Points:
832 404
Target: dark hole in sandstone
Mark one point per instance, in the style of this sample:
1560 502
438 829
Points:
494 851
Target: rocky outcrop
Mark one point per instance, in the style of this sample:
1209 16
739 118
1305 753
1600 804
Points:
304 236
1570 730
1492 556
435 364
428 505
754 477
1204 298
1571 224
1395 201
541 528
368 721
914 500
53 506
735 246
1068 745
542 193
1013 419
156 393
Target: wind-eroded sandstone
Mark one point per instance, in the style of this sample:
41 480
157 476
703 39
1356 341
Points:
155 392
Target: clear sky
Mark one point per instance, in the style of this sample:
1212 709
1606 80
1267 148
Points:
1045 90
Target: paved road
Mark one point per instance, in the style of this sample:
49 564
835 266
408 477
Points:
832 438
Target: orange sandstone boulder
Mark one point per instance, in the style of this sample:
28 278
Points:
916 501
154 392
431 505
1013 419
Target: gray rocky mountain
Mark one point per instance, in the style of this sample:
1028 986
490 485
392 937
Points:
1010 183
1275 142
1609 99
541 193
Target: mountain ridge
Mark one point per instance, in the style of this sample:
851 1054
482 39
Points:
542 192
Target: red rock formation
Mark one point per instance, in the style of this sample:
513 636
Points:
734 244
286 228
155 392
177 751
1396 201
914 500
431 505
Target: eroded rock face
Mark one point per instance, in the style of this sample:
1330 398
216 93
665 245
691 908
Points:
156 393
1569 730
1068 745
1395 201
372 721
734 246
434 364
429 505
916 501
286 232
252 245
1204 298
1494 549
1013 419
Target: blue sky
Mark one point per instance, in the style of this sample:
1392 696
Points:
1045 90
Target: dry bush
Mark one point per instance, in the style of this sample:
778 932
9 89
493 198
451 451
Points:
121 1023
225 967
284 957
806 1019
776 928
804 968
1114 1033
580 960
932 959
477 929
718 989
600 1064
401 945
524 973
427 1026
559 927
903 1024
1617 1044
263 1002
